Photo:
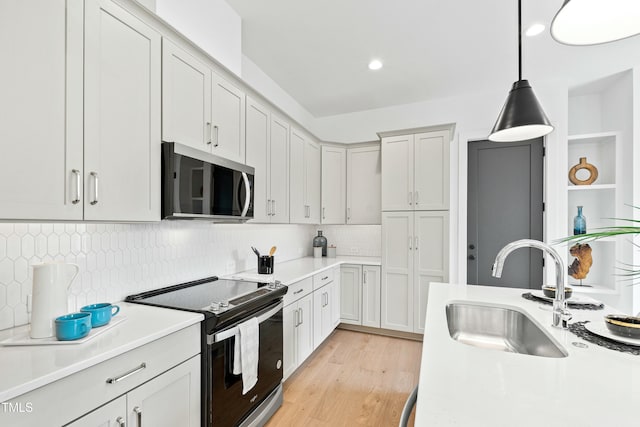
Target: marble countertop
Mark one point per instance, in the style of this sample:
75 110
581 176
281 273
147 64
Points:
462 385
293 271
25 368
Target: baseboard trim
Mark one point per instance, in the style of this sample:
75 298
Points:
380 331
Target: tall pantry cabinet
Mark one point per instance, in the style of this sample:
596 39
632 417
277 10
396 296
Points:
415 224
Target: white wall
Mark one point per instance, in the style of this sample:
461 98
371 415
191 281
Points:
117 260
211 24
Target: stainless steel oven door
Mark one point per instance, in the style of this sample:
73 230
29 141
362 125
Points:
227 405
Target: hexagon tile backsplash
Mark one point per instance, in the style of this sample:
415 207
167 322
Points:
117 260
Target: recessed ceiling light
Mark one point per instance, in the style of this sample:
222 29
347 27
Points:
375 64
534 30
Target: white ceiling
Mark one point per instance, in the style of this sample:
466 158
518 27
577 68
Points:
318 51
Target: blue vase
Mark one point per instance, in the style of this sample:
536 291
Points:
579 223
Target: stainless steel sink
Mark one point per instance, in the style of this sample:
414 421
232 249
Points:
500 328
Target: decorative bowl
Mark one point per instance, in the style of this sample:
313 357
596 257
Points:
550 292
623 325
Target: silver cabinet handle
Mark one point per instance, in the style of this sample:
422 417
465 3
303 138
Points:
348 214
324 211
209 134
410 241
120 422
298 291
95 187
365 277
216 132
417 197
301 316
410 198
273 209
296 319
268 207
138 412
416 244
126 374
76 172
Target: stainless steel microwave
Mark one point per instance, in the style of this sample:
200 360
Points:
199 185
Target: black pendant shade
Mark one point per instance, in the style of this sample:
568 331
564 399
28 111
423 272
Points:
522 116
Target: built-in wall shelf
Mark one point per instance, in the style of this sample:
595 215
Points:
593 187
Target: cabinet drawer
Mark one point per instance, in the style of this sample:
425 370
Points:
298 290
322 278
64 400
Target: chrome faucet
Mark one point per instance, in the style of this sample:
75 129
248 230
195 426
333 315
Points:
561 316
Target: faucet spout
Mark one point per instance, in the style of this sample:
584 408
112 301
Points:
561 316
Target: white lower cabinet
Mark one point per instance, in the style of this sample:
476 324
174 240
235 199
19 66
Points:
325 301
157 384
415 248
170 399
360 295
298 333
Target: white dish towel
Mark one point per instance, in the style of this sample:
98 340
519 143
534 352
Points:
246 353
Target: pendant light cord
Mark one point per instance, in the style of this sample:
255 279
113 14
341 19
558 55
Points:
519 40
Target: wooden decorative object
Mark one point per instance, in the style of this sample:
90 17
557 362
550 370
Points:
593 172
583 261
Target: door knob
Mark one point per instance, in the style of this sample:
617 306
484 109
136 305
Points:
472 257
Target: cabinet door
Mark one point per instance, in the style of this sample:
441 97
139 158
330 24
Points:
297 204
279 169
363 185
431 254
258 124
41 109
171 399
305 329
334 164
318 316
431 165
122 116
397 173
335 298
397 271
113 414
312 181
350 294
289 325
227 110
371 296
186 98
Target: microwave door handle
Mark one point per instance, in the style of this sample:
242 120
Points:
247 194
231 332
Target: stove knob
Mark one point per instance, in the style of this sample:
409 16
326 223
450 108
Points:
215 306
224 305
272 285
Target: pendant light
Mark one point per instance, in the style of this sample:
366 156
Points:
587 22
522 116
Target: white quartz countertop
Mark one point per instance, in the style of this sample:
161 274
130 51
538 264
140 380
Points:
462 385
25 368
289 272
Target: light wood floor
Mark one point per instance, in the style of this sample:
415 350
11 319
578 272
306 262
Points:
353 379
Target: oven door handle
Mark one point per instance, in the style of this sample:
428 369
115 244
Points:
228 333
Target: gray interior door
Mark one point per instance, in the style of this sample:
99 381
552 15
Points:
504 204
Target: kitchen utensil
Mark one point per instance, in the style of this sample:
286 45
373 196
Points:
255 251
101 313
272 251
265 264
50 284
550 292
623 325
73 326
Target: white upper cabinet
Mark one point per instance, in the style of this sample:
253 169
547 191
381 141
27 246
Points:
200 108
228 120
186 98
415 171
122 116
304 179
334 185
41 168
268 152
363 185
279 168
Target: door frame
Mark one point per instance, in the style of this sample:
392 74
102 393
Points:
458 255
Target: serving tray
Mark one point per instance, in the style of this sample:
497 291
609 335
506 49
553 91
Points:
22 337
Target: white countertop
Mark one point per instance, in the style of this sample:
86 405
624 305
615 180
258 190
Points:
461 385
26 368
289 272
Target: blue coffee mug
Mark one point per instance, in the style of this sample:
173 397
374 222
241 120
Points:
73 326
101 313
